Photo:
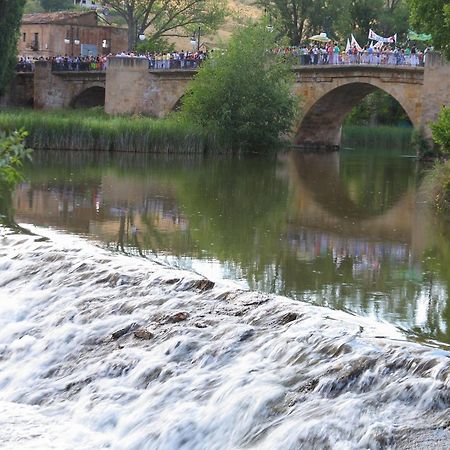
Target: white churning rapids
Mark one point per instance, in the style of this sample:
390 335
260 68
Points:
101 350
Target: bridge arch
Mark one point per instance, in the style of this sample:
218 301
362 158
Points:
328 100
89 98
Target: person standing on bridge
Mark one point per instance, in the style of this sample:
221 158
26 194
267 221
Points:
336 53
330 53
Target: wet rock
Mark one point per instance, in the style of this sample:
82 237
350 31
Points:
123 331
200 325
257 302
289 317
172 281
42 239
223 296
247 334
178 317
142 333
201 285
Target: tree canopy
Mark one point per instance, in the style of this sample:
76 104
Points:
167 17
244 92
10 18
299 19
432 16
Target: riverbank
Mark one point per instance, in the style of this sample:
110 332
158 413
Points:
93 130
439 186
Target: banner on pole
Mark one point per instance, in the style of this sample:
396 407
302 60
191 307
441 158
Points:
376 37
413 36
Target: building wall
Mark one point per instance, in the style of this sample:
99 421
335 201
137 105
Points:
51 39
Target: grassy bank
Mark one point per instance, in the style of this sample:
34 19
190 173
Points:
439 186
382 137
94 130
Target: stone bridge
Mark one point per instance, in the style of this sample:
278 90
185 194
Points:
326 93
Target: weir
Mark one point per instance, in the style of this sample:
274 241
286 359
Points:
326 93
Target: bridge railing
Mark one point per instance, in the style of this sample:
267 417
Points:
361 58
25 66
320 59
78 66
174 64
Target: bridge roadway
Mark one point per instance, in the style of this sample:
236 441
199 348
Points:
326 93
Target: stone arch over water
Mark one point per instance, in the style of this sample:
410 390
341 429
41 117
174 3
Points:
325 107
89 98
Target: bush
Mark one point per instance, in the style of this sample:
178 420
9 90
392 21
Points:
12 155
441 131
243 94
441 181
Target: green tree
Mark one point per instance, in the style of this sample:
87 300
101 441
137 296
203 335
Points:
441 130
152 44
297 19
244 92
33 6
167 18
432 16
56 5
10 18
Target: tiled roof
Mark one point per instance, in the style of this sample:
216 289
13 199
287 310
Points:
54 17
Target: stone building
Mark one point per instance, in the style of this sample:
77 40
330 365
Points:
69 33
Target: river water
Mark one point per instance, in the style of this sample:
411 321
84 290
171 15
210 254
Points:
291 301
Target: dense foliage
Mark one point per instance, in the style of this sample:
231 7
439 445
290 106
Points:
440 175
10 18
12 155
244 94
441 130
432 16
300 19
378 108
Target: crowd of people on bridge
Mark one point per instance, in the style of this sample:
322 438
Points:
331 53
172 60
308 54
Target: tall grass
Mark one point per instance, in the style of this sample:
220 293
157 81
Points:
94 130
381 137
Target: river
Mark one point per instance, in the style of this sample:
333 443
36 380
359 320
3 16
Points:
287 301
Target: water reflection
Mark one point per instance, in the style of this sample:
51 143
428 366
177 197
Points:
348 230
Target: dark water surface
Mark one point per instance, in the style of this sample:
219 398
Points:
348 230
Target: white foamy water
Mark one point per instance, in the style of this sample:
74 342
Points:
100 350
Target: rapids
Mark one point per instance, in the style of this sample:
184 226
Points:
103 350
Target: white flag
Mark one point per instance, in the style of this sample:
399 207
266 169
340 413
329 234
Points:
354 43
347 47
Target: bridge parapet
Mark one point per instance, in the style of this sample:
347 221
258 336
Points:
385 73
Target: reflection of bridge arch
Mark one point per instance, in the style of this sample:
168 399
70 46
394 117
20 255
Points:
330 96
321 201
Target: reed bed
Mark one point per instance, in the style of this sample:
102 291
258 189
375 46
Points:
381 137
94 130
